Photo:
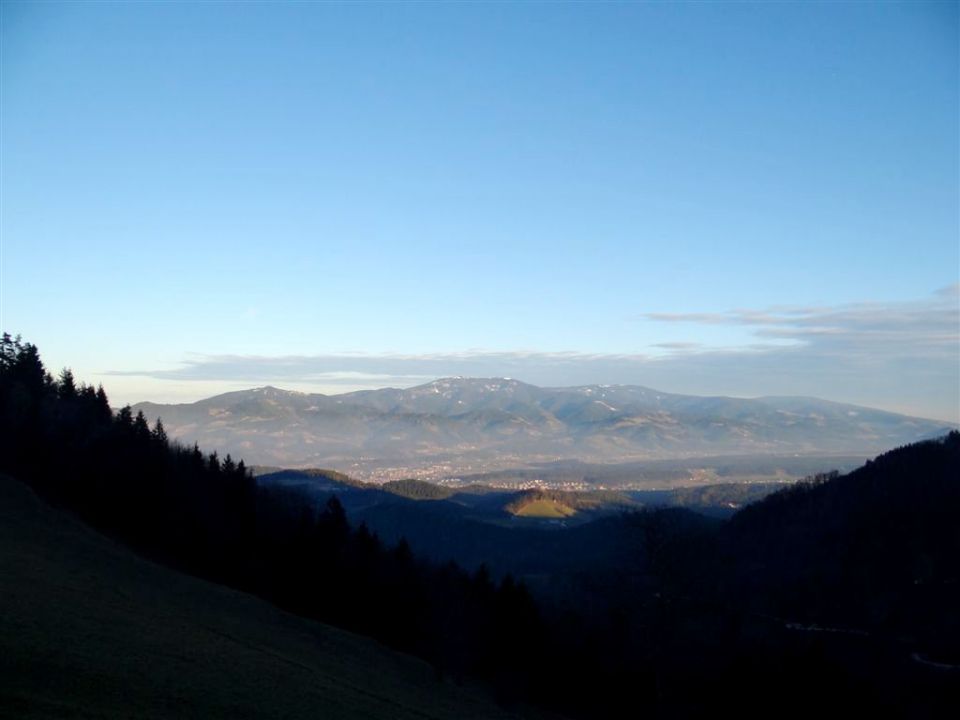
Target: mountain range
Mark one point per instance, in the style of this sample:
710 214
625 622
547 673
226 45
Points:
457 426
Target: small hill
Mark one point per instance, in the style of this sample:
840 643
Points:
543 507
418 490
560 504
89 629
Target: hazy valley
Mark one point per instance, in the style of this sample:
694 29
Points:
515 434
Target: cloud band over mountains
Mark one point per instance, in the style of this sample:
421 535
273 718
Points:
901 356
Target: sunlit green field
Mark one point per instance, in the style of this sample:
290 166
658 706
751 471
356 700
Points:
545 508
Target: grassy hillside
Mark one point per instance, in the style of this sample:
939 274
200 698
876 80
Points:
88 629
543 507
561 504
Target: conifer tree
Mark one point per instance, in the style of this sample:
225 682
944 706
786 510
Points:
104 413
159 433
125 417
140 427
229 467
66 387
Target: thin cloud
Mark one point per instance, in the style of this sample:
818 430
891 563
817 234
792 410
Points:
403 368
700 318
950 291
899 356
913 329
680 346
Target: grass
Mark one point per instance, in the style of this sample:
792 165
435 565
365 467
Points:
89 629
544 508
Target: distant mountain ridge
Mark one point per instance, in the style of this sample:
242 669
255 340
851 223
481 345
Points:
472 424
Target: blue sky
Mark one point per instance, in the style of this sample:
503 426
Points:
725 198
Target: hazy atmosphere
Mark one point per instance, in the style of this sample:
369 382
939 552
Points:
484 360
749 199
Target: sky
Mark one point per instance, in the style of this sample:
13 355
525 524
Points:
710 198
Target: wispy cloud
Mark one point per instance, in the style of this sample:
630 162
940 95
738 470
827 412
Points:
379 370
923 330
679 346
902 356
950 291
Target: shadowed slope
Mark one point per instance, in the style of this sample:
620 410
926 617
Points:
88 629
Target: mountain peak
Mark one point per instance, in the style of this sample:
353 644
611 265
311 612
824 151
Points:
271 391
460 381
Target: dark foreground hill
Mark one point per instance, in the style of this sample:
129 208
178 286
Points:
876 549
89 629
